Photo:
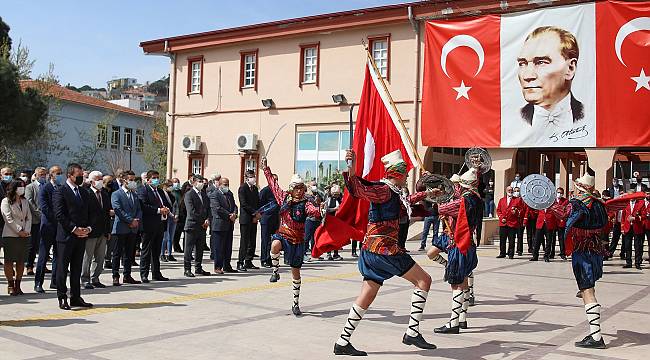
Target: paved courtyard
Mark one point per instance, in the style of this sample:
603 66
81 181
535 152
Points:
524 311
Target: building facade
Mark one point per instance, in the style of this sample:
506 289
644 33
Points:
233 86
98 134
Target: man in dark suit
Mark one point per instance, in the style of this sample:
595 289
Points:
48 228
224 214
128 214
270 222
249 202
74 217
100 205
196 223
639 186
155 209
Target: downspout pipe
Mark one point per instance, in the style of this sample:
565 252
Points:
416 88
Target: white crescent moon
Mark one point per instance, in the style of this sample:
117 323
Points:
458 41
638 24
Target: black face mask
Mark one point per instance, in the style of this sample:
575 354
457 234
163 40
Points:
78 180
639 180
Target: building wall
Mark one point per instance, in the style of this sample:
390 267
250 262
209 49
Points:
77 119
231 112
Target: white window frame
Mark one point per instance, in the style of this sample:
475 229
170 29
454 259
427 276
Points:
310 67
102 136
128 139
319 155
380 48
139 140
115 130
197 166
195 68
249 73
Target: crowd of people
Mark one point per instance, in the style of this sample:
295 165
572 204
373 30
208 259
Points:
124 218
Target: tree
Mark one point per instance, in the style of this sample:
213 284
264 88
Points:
20 58
23 113
160 87
155 149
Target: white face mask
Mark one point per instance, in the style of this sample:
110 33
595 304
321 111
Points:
509 194
199 186
559 195
98 184
251 181
515 194
225 189
314 189
24 178
131 185
20 191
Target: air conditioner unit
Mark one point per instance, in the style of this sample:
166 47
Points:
247 142
191 143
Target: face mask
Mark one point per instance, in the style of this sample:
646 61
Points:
515 194
24 178
509 194
225 189
639 180
98 184
20 191
7 178
251 181
78 180
176 186
314 188
41 180
517 178
60 179
131 185
155 182
491 183
559 195
199 186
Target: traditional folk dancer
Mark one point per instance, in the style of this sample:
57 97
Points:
587 220
381 257
294 210
460 267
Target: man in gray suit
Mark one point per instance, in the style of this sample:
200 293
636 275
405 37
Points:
31 194
128 214
224 214
196 223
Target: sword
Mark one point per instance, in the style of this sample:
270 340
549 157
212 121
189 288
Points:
273 140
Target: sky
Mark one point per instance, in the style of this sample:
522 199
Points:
91 42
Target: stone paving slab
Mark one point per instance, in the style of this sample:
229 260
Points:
525 310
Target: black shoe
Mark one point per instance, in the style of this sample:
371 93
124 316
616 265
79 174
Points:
30 271
188 273
579 294
88 286
240 267
230 271
501 256
145 280
627 266
520 254
159 277
462 324
563 257
472 300
444 329
130 280
274 277
589 342
511 257
348 350
39 289
295 309
266 264
163 258
79 302
116 281
546 260
52 286
201 272
171 258
354 254
249 265
63 304
108 265
533 259
98 285
255 256
418 341
177 249
638 266
421 248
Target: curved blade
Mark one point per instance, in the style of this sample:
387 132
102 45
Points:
268 150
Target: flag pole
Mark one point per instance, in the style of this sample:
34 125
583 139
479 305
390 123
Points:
392 103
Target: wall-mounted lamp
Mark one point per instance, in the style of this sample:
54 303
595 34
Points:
339 99
268 103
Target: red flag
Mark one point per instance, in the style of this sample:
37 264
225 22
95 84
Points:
462 233
461 90
623 73
377 133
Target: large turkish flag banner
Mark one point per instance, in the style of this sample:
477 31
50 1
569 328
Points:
461 94
623 73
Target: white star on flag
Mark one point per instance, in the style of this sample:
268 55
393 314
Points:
462 90
641 81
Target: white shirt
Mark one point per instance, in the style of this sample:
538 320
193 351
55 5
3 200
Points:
198 192
632 202
75 191
515 184
508 200
553 121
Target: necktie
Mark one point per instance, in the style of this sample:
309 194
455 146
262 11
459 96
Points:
99 198
76 193
160 202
